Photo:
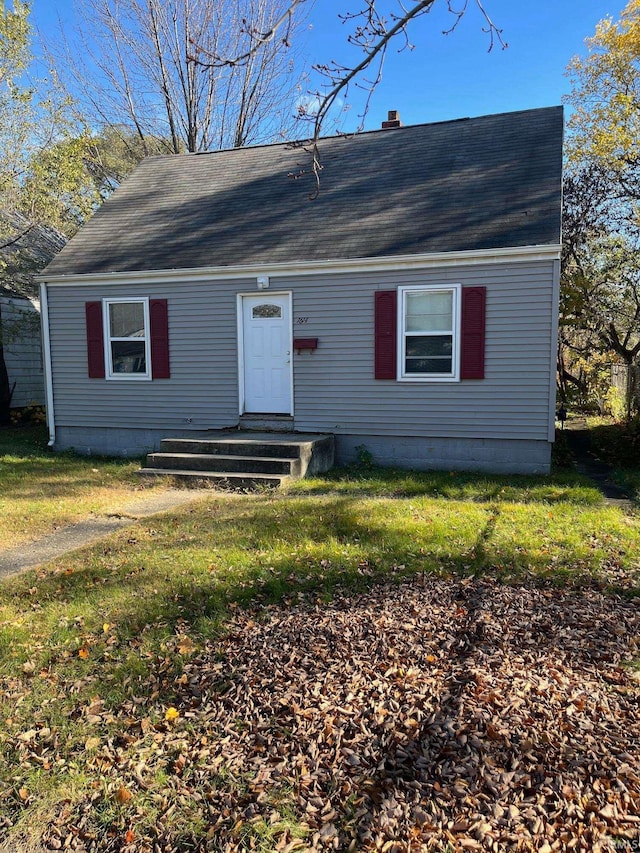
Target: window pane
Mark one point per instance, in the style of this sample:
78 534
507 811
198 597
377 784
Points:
428 365
266 311
126 320
128 357
427 312
438 345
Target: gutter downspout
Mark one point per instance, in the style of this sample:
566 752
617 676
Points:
46 352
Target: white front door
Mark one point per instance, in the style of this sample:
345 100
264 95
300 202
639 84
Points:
266 353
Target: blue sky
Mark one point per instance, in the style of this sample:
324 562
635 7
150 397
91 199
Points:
447 77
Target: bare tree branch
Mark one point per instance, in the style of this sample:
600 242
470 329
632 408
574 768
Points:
129 65
371 33
374 38
17 239
258 40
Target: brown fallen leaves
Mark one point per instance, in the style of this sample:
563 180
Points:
414 717
123 796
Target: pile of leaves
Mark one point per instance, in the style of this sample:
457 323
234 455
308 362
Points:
444 715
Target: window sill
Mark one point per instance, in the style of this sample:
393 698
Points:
423 379
128 377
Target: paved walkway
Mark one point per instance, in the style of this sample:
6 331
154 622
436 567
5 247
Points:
92 529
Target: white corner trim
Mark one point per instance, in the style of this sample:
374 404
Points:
46 363
553 350
240 337
300 268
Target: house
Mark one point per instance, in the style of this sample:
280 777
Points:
25 248
411 308
21 348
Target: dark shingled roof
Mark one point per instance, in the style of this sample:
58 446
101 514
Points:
480 183
25 249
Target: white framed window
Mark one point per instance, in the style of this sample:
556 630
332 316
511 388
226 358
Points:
429 333
126 338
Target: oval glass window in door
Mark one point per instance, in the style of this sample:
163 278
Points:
266 311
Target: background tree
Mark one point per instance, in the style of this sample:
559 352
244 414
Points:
44 188
43 152
14 57
600 306
605 96
129 67
114 153
600 310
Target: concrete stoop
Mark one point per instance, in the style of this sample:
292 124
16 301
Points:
242 460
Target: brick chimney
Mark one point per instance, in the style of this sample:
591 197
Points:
393 120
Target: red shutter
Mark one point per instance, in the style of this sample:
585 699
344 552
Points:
473 332
95 340
386 302
159 321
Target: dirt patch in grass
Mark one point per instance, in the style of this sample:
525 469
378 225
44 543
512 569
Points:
432 715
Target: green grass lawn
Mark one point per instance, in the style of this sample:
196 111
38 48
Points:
97 629
41 491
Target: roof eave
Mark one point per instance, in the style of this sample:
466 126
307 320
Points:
510 254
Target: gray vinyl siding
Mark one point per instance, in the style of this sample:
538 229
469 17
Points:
334 387
336 391
203 355
23 351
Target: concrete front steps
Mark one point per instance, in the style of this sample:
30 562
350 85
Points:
241 460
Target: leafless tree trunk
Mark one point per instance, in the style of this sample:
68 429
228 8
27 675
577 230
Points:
129 64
